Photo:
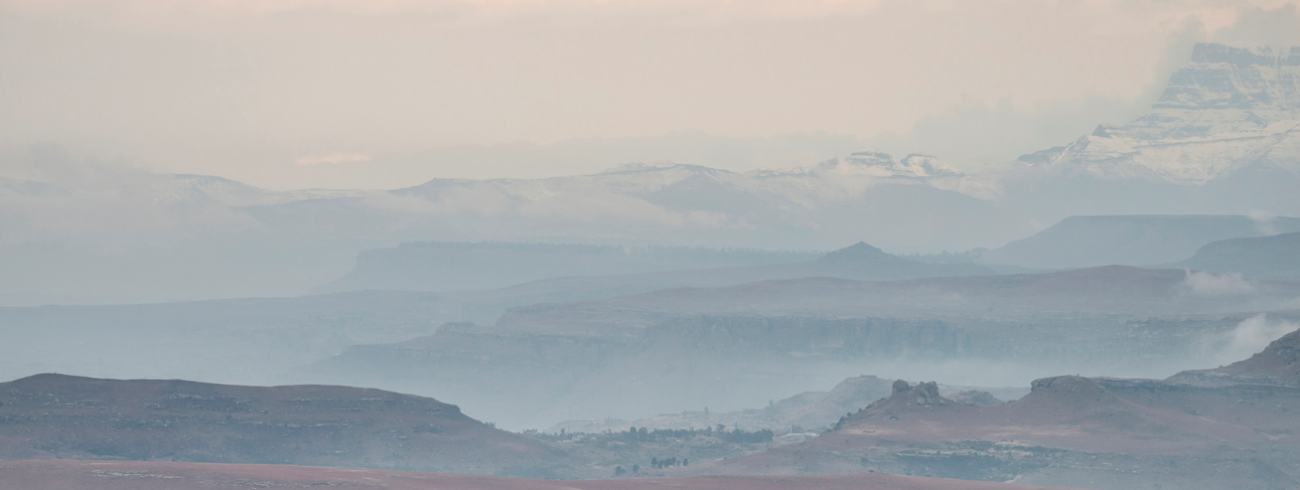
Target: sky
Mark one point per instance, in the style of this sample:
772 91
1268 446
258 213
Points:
291 94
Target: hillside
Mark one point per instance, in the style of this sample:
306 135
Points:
1277 365
1090 241
810 411
53 416
1099 433
1271 257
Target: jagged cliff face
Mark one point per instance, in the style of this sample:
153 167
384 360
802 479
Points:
1228 110
1247 89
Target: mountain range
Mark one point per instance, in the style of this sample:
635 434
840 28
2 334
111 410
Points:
1222 139
1137 240
738 346
584 270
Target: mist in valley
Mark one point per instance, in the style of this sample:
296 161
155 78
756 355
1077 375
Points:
442 244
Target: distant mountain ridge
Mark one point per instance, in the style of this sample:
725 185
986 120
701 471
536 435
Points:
643 354
1229 108
866 196
1110 290
1271 257
1091 241
460 266
1223 139
578 268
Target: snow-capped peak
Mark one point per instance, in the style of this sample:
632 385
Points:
1228 109
871 157
926 166
877 163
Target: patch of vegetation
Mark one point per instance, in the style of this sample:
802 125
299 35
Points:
645 452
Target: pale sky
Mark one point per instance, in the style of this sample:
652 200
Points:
307 93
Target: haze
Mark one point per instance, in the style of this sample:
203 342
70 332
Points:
939 245
338 94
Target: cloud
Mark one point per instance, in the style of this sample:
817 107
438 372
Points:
718 10
1208 284
332 158
972 134
263 91
51 163
81 196
1265 221
1255 26
976 132
1251 336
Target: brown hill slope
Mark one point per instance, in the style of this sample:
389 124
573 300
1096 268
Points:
1095 433
1277 365
55 416
810 410
114 475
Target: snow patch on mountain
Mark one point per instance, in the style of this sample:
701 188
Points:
1228 109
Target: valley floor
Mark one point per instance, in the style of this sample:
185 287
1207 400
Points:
150 475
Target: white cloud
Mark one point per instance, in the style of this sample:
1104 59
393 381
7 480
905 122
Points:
241 88
1208 284
1265 221
1259 26
1251 336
